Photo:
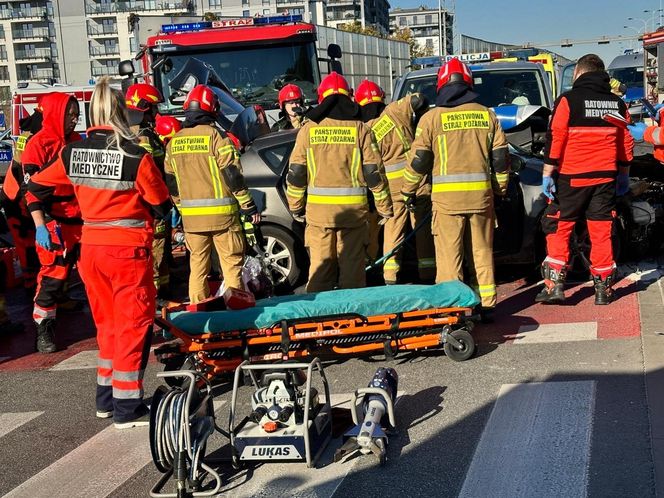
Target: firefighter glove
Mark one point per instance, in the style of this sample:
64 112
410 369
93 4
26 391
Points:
409 201
548 186
622 184
299 216
637 130
249 231
43 238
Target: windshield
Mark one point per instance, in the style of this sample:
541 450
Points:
630 76
520 87
254 75
567 78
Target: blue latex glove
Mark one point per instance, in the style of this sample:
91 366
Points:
622 184
176 219
637 130
43 238
548 187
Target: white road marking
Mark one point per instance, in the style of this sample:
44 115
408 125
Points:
80 361
535 443
556 332
11 421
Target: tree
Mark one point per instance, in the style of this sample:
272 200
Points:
416 50
210 16
356 27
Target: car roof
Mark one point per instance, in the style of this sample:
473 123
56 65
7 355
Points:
476 68
274 138
627 60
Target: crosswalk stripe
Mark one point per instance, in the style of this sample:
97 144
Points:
96 468
535 443
11 421
80 361
556 332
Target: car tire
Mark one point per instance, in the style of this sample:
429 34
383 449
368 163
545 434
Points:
286 257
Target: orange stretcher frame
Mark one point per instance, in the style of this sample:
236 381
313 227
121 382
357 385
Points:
336 335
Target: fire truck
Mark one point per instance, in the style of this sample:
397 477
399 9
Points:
256 57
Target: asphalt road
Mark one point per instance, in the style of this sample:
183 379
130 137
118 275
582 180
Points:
559 401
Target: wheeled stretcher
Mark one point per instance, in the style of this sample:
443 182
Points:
342 322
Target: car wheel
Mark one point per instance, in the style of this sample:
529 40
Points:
282 254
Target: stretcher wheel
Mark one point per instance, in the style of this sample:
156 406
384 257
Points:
467 348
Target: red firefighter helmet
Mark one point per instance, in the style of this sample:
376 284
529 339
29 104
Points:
201 98
369 92
454 71
142 96
166 127
333 84
289 93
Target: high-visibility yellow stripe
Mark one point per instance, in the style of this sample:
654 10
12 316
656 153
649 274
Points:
229 149
394 175
442 153
355 168
404 143
426 263
461 186
383 194
486 290
216 180
337 199
418 132
295 191
391 264
146 146
311 166
501 177
243 198
175 173
207 210
412 177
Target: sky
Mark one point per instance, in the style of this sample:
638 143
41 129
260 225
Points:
519 21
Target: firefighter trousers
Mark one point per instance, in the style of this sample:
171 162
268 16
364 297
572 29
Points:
161 248
118 281
395 232
595 203
229 244
337 257
55 268
466 238
22 230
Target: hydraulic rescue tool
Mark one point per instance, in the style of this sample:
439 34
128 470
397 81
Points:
372 409
288 421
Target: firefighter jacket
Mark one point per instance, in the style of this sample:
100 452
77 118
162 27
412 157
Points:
11 187
395 132
119 190
149 140
205 178
465 150
583 146
331 166
41 151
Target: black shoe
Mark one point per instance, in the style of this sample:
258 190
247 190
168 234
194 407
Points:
45 334
552 293
603 290
486 315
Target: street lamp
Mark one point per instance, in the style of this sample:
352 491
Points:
652 17
645 23
638 33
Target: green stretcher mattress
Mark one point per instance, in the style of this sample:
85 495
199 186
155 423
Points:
370 301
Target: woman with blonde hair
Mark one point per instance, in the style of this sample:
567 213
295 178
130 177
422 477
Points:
120 192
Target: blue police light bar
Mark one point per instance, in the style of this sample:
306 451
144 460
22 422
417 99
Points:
183 28
427 61
278 19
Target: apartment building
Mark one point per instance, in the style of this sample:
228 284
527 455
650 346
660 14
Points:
424 24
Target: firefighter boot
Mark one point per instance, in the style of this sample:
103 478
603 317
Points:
603 290
554 283
45 334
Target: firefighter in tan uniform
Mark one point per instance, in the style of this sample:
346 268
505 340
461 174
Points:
394 129
141 100
462 144
204 176
334 161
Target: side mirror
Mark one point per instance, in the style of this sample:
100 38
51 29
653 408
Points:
334 51
126 68
336 67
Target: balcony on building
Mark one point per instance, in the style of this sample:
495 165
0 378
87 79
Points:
28 35
22 14
102 30
39 75
160 7
31 56
105 52
105 70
